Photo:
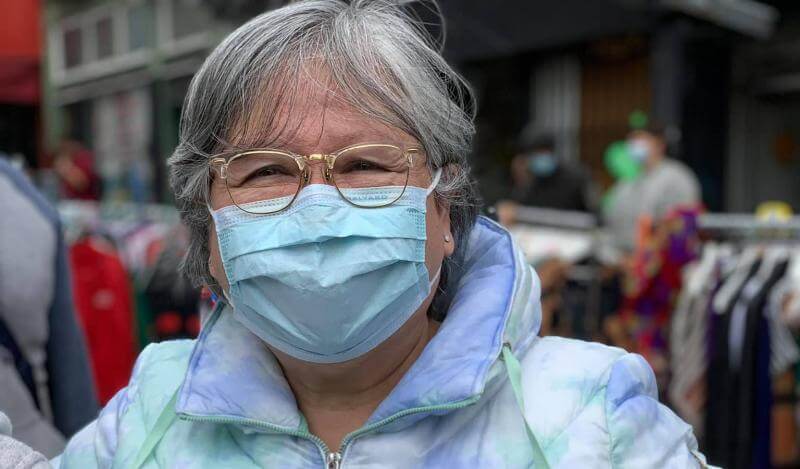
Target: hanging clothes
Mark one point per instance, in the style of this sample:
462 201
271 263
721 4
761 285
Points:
751 353
718 418
104 302
689 335
150 243
785 355
749 369
733 346
174 301
652 285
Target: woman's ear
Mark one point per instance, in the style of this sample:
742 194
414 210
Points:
449 241
442 208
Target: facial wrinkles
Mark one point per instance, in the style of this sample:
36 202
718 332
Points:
312 118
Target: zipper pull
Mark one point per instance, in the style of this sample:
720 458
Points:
334 460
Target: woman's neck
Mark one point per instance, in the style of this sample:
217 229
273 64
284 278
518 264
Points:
337 399
654 162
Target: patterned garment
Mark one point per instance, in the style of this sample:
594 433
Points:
653 282
588 405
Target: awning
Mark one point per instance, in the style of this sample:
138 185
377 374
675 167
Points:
477 29
20 49
19 80
744 16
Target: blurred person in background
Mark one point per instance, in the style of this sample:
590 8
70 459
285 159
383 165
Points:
45 382
540 178
74 165
662 184
370 317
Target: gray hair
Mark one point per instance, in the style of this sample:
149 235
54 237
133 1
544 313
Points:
373 53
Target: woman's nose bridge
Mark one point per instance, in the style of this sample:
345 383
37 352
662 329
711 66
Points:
319 176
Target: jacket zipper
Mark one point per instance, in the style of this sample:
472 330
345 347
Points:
349 438
333 459
325 452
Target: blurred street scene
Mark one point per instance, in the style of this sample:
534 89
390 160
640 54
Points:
644 153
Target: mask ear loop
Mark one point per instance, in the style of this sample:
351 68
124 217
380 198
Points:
437 175
435 278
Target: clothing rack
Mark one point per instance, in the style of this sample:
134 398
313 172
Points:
748 226
81 216
731 346
82 210
579 221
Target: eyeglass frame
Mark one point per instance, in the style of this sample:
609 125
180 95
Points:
304 165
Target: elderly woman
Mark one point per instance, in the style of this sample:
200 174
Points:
370 318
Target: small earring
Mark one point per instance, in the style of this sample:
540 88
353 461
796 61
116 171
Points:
446 238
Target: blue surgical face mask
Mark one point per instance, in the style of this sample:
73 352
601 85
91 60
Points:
542 164
325 281
638 151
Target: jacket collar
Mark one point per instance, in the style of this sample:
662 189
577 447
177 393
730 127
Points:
231 374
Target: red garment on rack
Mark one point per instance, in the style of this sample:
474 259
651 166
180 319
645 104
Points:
653 280
105 307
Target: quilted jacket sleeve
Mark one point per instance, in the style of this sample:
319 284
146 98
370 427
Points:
644 433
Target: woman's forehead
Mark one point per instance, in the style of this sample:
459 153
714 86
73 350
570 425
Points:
317 120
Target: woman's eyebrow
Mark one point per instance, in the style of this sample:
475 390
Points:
333 144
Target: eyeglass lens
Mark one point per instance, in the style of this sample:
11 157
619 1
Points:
254 178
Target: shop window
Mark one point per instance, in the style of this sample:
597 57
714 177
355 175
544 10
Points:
141 31
105 38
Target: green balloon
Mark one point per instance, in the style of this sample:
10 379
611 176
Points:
619 162
638 119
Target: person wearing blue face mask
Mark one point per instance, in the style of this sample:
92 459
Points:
542 163
662 184
541 179
368 317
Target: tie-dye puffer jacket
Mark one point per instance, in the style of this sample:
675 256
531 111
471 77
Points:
587 405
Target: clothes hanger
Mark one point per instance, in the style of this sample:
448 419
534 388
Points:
739 275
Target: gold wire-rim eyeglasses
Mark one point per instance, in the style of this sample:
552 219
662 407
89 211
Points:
222 162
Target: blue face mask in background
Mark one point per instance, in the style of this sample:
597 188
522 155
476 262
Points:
638 151
542 164
325 281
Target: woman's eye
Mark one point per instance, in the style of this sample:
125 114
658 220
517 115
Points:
265 171
363 165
